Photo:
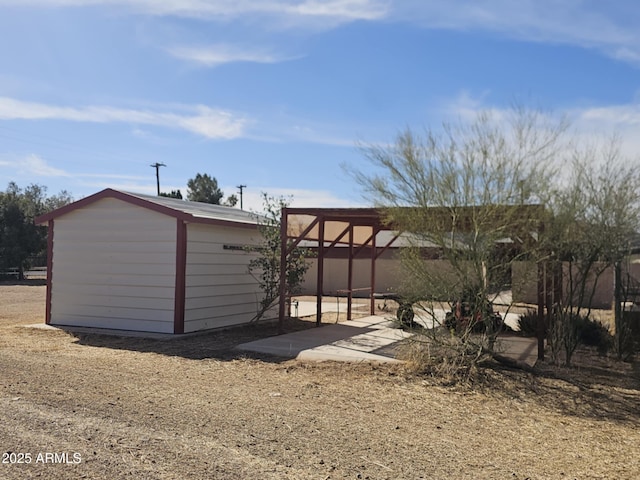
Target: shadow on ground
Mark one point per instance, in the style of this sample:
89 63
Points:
216 344
35 282
594 387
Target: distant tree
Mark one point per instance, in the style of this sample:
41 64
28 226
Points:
172 194
204 188
20 238
231 201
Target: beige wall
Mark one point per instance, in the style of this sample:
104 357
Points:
524 275
336 276
389 278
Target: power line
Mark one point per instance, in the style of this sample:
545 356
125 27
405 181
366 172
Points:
157 167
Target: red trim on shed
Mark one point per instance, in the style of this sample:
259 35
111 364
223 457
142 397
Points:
47 318
181 274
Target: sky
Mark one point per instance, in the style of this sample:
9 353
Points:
281 95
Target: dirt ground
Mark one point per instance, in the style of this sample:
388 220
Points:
100 407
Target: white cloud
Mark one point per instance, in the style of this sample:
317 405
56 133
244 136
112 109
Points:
286 12
148 188
33 166
610 27
622 121
300 198
205 121
214 55
465 106
617 115
588 124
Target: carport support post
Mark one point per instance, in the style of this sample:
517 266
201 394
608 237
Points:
350 279
541 305
374 233
283 268
320 286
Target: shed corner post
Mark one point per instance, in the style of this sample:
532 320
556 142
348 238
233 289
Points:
47 318
283 268
181 273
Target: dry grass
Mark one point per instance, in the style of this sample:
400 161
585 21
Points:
194 408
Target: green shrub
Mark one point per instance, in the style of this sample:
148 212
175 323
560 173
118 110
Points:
528 323
594 334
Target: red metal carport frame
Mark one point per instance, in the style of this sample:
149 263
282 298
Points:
356 228
369 222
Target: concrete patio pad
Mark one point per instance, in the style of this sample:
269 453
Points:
369 339
365 339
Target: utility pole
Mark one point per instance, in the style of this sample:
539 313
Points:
157 167
241 187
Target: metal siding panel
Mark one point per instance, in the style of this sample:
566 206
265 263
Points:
124 291
103 274
101 301
132 324
152 247
211 322
222 258
226 300
144 312
108 279
202 235
100 265
219 280
205 291
220 290
211 269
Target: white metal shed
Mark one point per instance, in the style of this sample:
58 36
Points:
127 261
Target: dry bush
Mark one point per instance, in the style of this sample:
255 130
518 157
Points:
447 358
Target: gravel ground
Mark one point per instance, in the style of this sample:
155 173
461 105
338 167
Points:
100 407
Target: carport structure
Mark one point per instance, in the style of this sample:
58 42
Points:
358 229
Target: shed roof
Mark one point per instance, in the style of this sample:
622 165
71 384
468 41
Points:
191 212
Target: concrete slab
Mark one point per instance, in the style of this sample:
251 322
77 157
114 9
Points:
522 349
353 341
366 339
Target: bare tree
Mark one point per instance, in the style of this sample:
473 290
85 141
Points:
470 191
476 198
595 213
